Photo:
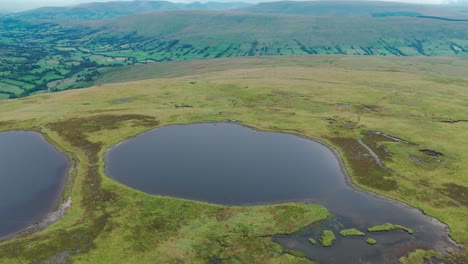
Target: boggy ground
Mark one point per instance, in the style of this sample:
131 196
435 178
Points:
315 97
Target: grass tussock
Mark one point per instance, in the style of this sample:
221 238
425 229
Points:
389 227
371 241
351 232
327 238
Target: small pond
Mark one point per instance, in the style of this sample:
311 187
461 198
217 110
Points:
32 177
230 164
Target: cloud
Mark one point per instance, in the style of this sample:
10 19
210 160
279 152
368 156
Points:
19 5
458 2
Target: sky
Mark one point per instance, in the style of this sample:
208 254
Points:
18 5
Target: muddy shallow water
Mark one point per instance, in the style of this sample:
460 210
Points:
230 164
32 176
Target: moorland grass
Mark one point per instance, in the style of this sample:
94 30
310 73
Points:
109 222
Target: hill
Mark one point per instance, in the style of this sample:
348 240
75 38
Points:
112 9
38 56
356 8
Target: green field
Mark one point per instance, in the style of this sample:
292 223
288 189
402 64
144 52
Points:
337 99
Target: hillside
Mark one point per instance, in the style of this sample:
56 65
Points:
38 56
356 9
112 9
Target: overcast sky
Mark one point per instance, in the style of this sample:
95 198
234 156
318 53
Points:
16 5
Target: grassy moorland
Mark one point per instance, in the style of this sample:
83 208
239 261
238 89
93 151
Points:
414 104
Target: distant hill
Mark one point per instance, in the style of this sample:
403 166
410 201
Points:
113 9
49 55
354 9
193 33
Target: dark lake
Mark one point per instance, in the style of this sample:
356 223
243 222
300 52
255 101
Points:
230 164
32 176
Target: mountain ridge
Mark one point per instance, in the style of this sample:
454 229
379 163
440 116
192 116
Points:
113 9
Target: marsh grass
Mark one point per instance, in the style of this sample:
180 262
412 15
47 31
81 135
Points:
389 227
351 232
327 238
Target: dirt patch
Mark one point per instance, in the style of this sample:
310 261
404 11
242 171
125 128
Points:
122 100
370 108
392 138
338 123
431 152
224 214
183 106
453 121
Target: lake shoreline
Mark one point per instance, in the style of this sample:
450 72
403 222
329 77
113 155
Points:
64 200
62 206
347 177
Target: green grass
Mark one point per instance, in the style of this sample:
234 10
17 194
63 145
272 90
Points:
312 241
109 222
50 77
14 82
389 227
9 88
371 241
327 238
351 232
